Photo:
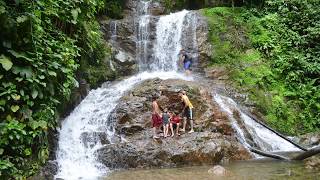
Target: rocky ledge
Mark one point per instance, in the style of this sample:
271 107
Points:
214 140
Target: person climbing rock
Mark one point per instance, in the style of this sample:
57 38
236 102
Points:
156 118
187 111
186 59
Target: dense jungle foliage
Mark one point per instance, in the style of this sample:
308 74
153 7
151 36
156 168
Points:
41 45
273 54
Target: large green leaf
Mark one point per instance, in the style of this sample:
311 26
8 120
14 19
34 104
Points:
15 108
23 71
6 62
34 94
75 13
15 97
20 55
2 10
52 73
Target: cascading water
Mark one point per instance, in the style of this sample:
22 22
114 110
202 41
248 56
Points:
168 42
265 139
143 34
76 159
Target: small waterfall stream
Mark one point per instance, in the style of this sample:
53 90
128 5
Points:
263 138
143 33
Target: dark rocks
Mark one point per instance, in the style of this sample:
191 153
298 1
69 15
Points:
156 9
47 172
188 149
91 138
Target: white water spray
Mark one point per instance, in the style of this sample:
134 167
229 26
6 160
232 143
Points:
265 139
168 43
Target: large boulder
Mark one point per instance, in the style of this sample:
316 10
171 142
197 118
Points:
188 149
214 140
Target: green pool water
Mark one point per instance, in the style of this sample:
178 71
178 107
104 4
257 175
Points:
245 170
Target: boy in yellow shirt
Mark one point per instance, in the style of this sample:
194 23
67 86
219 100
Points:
187 111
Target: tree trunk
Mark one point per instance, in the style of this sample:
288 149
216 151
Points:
274 156
309 153
300 157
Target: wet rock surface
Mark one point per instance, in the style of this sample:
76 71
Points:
219 171
309 140
214 140
313 162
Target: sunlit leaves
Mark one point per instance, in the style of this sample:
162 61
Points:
15 108
34 93
22 19
75 13
5 62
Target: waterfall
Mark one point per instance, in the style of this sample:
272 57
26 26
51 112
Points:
113 30
76 159
265 139
143 33
168 42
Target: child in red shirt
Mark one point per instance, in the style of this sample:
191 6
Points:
174 121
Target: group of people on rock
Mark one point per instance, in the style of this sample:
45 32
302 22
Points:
172 119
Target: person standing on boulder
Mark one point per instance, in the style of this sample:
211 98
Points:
186 60
187 111
156 117
165 122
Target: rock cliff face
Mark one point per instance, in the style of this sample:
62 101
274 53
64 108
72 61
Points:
123 36
214 140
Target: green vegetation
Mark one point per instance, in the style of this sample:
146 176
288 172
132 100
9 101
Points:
42 44
273 55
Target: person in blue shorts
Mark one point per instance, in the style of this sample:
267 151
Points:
187 61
